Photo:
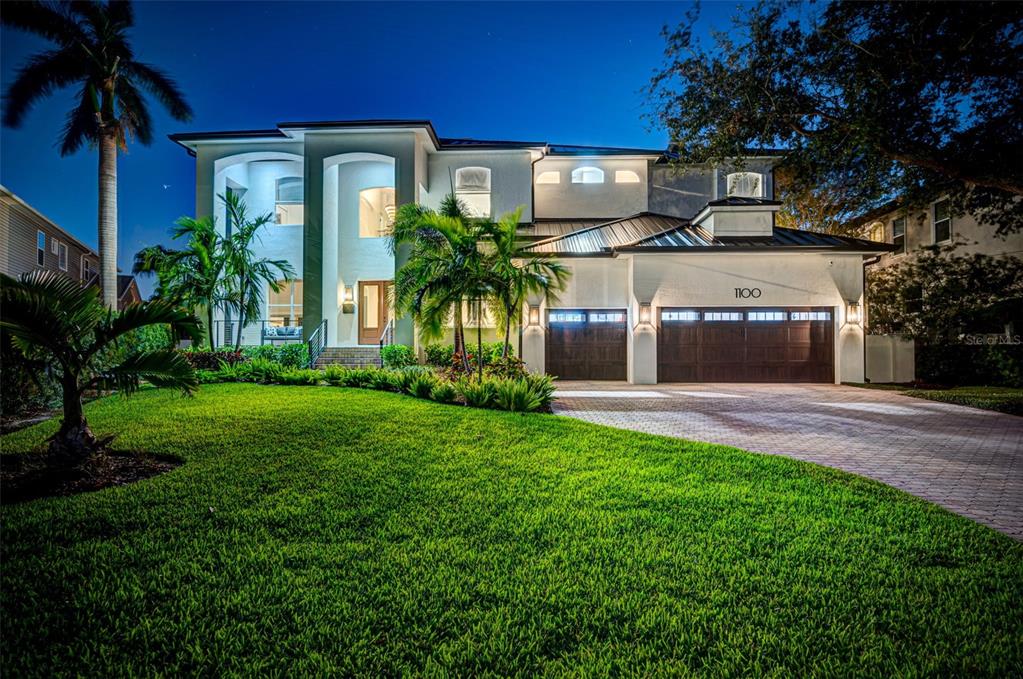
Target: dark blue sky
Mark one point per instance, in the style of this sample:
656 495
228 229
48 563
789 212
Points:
562 72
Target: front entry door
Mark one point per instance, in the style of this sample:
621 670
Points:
373 311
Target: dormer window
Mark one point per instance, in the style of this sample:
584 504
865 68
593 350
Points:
549 177
587 175
289 205
626 177
472 188
745 185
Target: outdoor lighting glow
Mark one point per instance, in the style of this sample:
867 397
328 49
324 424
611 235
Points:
644 313
852 313
534 315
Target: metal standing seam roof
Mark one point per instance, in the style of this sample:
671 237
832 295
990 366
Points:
542 229
649 232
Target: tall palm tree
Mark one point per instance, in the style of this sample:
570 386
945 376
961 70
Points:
92 52
52 317
192 277
246 273
515 274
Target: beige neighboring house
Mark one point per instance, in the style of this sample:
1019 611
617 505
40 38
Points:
29 241
934 224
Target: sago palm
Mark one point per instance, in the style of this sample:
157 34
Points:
53 318
246 273
92 53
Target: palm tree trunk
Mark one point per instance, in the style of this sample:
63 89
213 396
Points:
241 320
74 441
209 326
108 215
507 330
460 348
479 339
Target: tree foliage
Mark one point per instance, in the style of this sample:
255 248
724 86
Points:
867 101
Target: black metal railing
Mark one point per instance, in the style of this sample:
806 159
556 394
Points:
261 331
317 341
387 337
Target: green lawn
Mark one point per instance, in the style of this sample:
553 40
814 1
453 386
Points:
1001 399
318 530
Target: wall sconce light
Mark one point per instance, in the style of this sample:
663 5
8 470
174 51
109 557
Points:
852 313
644 313
534 316
348 303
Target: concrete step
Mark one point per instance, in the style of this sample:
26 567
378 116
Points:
349 357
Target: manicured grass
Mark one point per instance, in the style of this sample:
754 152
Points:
317 530
1000 399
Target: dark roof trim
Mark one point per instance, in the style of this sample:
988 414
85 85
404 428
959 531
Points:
740 201
699 249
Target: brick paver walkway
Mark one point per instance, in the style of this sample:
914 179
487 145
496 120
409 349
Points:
967 460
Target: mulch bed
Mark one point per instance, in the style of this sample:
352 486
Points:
33 476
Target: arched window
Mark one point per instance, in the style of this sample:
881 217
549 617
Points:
626 177
587 175
549 177
288 206
472 188
745 185
376 211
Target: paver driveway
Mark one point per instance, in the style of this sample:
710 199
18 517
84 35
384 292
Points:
967 460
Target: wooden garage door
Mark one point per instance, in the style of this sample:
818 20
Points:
586 344
746 345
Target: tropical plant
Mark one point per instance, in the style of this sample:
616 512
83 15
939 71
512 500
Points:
397 356
516 275
92 52
300 377
479 393
444 392
49 315
245 272
516 396
422 385
294 355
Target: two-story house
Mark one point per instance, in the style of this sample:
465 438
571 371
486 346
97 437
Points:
30 241
676 276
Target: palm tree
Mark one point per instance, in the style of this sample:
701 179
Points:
439 276
194 276
92 52
51 316
516 274
247 274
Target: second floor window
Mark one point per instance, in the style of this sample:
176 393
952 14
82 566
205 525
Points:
899 235
376 212
62 256
745 185
942 222
587 175
626 177
40 248
88 270
288 204
472 188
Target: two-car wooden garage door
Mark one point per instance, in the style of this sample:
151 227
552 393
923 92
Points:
698 345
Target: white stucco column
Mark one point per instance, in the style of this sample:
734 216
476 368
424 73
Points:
534 339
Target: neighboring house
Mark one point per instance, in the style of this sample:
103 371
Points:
676 276
30 241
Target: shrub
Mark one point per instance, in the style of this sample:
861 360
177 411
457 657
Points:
444 392
477 394
201 359
358 377
439 355
334 375
422 386
26 386
288 355
299 377
397 356
384 380
516 396
543 386
265 371
208 376
506 368
239 372
151 338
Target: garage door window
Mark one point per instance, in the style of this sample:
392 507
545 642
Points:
811 315
607 317
690 316
766 316
722 316
558 317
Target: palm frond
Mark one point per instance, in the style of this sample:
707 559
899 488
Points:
44 20
134 316
161 368
162 87
49 310
38 78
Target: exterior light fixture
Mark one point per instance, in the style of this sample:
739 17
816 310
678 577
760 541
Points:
644 313
348 303
852 313
534 315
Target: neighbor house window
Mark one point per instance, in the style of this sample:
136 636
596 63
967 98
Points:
87 269
899 235
680 316
587 175
942 221
285 307
722 316
472 188
40 248
810 316
745 184
289 207
549 177
376 212
566 317
765 316
626 177
607 317
62 256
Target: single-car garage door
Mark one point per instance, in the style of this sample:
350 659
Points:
586 344
746 345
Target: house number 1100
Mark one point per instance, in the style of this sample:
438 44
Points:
746 293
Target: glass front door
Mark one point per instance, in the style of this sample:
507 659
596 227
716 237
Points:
373 310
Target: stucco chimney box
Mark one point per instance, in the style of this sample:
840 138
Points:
731 219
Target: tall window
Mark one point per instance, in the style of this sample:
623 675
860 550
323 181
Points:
942 221
745 185
40 248
62 256
289 207
587 175
88 271
472 188
899 235
285 307
376 212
